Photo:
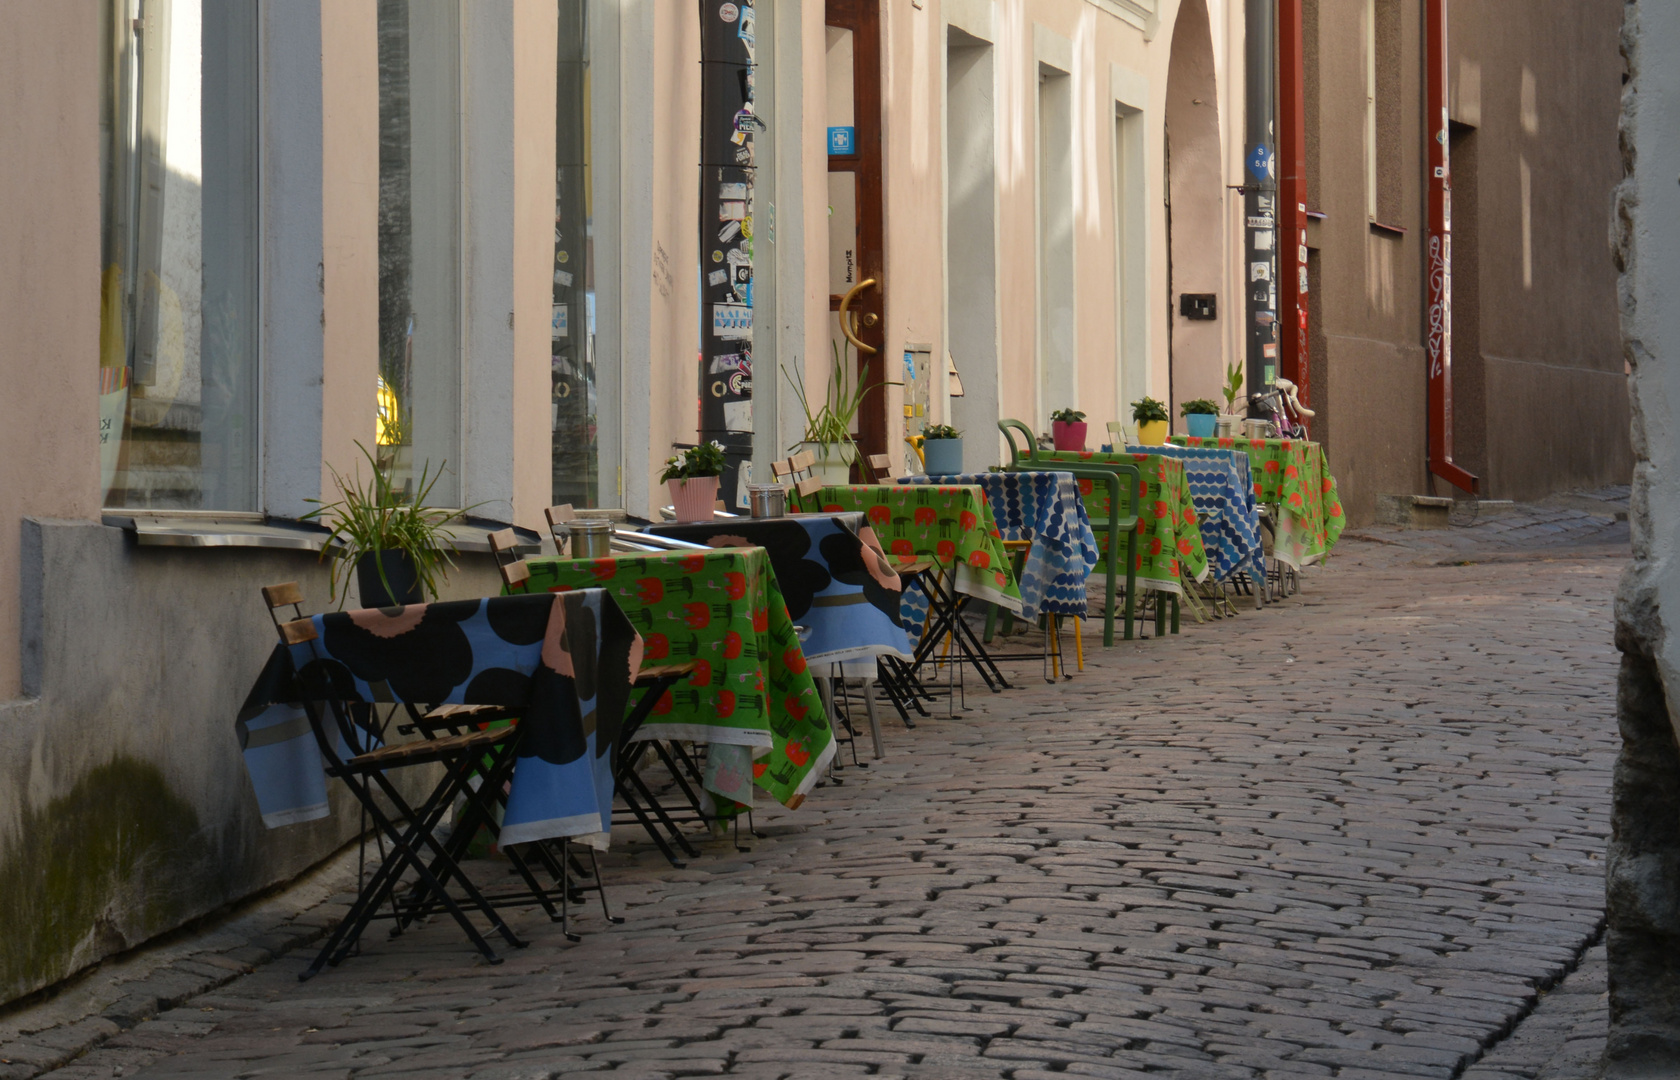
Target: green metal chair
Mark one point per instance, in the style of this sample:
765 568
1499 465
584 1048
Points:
1117 524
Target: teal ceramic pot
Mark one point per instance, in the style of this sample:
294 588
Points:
1201 425
942 457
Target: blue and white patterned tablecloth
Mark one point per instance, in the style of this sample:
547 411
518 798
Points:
1043 507
1223 492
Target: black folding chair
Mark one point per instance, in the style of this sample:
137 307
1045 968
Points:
347 736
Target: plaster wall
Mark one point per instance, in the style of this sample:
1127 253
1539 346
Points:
1643 938
49 284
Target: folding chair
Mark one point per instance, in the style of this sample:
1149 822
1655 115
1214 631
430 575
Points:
352 751
800 471
880 467
559 517
1119 436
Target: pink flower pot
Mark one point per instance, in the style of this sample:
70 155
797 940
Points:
693 499
1068 436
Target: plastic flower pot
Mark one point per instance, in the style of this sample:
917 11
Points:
399 571
1201 424
1152 432
1068 436
693 499
942 457
834 462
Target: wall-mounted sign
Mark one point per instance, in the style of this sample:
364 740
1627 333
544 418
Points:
842 141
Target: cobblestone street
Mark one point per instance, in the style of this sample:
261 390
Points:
1355 835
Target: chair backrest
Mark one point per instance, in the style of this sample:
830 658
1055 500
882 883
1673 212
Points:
880 467
1009 427
1119 436
296 630
558 518
515 572
801 469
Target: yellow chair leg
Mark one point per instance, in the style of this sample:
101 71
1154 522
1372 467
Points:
1078 642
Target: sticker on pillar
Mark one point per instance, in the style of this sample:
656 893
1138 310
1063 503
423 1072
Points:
732 191
563 278
1262 222
1263 239
717 277
743 155
732 211
732 322
730 230
1303 271
749 30
842 141
1268 351
728 13
1260 271
724 363
1260 161
560 323
737 415
717 256
746 120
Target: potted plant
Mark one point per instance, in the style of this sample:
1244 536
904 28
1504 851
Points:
1067 426
1151 418
1231 423
828 431
692 477
397 544
1199 416
942 450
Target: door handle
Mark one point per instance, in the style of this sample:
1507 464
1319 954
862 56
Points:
847 327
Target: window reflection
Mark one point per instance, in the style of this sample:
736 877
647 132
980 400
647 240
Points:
575 399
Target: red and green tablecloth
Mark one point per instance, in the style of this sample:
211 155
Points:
752 698
1295 475
949 524
1169 536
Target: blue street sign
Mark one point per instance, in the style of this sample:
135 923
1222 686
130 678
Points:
842 140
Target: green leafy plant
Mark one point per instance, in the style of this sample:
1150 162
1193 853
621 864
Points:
832 422
940 431
1147 409
697 461
1199 407
375 517
1233 385
1068 416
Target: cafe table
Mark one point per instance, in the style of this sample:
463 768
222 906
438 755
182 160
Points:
1169 537
1045 508
1294 475
1222 489
752 698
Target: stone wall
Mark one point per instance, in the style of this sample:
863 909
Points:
1643 872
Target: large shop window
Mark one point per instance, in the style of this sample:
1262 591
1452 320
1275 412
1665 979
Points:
419 391
584 408
178 336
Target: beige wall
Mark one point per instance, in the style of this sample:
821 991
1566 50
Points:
349 233
49 282
673 330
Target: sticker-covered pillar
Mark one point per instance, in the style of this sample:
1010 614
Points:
1260 209
1292 199
727 126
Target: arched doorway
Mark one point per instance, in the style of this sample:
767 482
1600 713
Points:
1195 209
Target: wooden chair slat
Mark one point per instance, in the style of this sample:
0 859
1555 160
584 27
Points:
780 469
297 631
655 671
809 486
803 460
503 540
881 463
284 593
559 515
515 573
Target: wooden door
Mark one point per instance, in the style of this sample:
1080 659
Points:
854 187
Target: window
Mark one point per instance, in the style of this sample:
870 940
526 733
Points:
178 340
576 391
1383 127
419 391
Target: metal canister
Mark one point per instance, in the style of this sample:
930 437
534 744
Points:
1227 427
591 538
767 500
1257 429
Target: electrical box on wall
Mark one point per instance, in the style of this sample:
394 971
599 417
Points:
1197 305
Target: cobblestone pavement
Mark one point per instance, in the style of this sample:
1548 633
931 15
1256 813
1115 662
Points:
1355 835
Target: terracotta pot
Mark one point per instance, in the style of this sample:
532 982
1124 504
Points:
1152 433
693 499
1068 436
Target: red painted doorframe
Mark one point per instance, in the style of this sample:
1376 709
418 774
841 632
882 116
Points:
863 19
1437 327
1292 199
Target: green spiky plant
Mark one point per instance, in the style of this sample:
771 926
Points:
375 517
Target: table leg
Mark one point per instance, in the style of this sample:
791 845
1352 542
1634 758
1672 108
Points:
874 719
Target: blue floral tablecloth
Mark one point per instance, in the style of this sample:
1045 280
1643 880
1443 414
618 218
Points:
1223 492
1043 507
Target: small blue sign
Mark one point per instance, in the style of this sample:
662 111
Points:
842 140
1260 161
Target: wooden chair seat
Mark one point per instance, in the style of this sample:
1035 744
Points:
423 750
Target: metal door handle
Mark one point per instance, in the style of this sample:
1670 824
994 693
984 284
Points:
846 325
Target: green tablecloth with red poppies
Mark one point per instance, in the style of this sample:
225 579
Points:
751 698
1169 535
949 524
1294 475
